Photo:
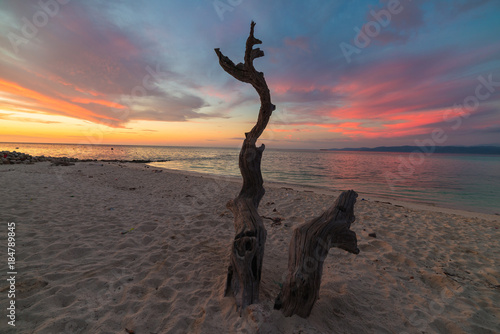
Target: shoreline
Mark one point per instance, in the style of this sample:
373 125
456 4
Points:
456 202
426 206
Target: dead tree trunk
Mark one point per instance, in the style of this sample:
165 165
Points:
308 249
247 252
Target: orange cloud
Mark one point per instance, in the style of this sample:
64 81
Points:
299 42
93 93
101 102
284 130
212 91
63 107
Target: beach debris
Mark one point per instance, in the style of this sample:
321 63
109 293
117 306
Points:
332 229
11 158
62 162
134 161
310 243
125 232
247 248
373 235
276 220
383 202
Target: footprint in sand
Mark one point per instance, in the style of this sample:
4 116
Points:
146 240
167 293
148 226
376 246
400 259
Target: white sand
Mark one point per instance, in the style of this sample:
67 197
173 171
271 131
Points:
425 272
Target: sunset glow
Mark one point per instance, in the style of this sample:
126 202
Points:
145 73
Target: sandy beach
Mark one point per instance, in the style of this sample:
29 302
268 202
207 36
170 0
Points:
117 248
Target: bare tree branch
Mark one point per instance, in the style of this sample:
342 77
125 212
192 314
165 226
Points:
247 252
308 250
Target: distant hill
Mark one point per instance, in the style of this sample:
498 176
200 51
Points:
437 149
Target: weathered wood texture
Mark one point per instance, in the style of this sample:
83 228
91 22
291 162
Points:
247 252
308 249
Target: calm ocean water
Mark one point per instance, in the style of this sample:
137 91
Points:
469 182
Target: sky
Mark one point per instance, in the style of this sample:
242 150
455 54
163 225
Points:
341 73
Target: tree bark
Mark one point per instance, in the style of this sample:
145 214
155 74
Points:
247 251
308 249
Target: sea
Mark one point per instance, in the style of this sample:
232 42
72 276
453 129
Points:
466 182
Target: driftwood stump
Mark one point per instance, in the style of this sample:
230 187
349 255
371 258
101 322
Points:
247 252
308 249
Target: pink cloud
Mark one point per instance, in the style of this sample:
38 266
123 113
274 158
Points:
300 42
401 97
